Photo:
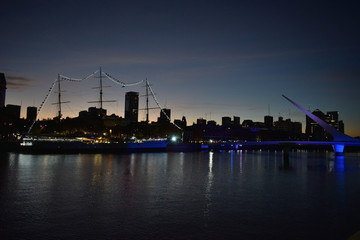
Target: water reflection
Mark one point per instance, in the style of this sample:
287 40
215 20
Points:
173 193
339 163
232 159
339 166
286 160
210 177
241 161
331 166
4 168
285 164
131 169
182 156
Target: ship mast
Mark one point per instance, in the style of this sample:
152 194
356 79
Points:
147 108
147 101
101 91
59 98
101 101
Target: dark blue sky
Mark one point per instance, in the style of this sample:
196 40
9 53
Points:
204 58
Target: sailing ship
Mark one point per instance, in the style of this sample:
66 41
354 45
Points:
56 144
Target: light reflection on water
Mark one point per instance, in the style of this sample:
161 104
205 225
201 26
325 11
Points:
208 186
251 194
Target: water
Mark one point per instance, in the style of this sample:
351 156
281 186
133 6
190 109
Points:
205 195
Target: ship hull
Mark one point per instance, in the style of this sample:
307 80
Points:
147 146
39 146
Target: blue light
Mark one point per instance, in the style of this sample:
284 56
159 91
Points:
339 164
338 149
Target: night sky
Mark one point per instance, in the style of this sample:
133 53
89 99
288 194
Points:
204 59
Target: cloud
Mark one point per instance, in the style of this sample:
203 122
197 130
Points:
17 82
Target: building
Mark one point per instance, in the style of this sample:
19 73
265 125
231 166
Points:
236 121
226 121
111 121
181 123
12 112
211 123
164 116
83 114
341 126
97 112
296 127
31 113
131 106
2 90
201 121
247 123
92 113
210 132
332 118
288 126
178 123
315 132
184 121
269 122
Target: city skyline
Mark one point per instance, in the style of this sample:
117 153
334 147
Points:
131 107
53 94
203 58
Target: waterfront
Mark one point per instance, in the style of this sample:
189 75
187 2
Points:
201 195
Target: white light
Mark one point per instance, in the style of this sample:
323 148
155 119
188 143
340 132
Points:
173 139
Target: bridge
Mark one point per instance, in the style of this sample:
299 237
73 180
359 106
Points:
338 147
340 139
338 144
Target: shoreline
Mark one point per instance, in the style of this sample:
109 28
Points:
59 147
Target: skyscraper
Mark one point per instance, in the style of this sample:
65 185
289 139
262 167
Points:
2 90
226 121
332 118
13 112
269 122
313 129
31 113
131 106
316 132
341 126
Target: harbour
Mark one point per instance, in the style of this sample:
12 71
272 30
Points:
169 195
179 120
